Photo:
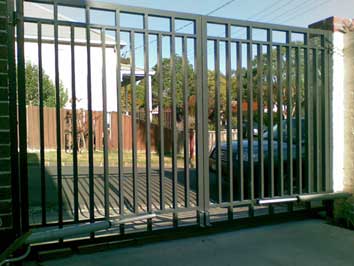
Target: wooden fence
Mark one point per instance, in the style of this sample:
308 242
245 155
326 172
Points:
49 122
50 140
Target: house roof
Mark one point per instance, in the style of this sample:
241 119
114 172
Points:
46 12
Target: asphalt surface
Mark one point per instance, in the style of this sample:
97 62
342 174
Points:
310 242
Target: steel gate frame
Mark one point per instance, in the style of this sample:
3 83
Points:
324 48
201 56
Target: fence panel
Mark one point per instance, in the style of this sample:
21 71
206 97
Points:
189 117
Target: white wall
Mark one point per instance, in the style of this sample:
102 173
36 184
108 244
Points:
338 112
349 112
80 72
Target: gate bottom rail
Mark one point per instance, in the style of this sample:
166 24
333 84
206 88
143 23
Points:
30 238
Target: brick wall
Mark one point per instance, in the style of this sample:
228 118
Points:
6 224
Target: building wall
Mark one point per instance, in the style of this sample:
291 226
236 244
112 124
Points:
342 101
349 111
6 220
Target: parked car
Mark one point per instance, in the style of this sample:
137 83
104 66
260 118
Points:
255 154
245 129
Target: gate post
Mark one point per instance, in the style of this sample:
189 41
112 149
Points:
342 110
202 126
9 220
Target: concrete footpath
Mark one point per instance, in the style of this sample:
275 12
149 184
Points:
310 242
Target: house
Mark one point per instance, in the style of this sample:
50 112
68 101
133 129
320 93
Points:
31 55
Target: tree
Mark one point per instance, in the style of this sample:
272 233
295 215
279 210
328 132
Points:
167 85
166 88
49 90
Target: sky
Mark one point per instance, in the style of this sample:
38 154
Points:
287 12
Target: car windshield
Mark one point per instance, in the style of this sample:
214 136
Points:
285 130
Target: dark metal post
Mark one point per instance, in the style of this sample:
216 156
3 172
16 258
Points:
148 122
21 82
105 130
161 122
74 126
120 122
229 122
261 119
186 123
90 121
134 128
41 124
240 183
174 122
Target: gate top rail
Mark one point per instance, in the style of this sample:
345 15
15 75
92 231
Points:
181 15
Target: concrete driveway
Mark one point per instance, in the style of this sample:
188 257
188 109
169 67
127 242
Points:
310 242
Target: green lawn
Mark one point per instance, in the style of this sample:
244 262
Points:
67 158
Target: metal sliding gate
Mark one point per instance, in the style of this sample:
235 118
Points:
125 112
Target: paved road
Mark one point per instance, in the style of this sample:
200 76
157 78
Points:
311 242
83 188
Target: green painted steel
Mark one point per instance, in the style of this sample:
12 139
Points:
269 88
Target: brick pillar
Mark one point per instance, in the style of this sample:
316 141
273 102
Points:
6 200
349 111
342 109
342 101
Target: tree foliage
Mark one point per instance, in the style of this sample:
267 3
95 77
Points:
283 84
49 90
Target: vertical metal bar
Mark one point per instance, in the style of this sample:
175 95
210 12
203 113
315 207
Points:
280 183
120 122
74 124
250 115
21 81
202 123
186 122
270 113
324 120
326 110
148 121
58 118
320 135
41 125
174 121
240 121
229 121
316 128
261 119
90 126
298 122
329 105
194 130
308 112
161 123
202 110
217 117
134 128
105 130
289 115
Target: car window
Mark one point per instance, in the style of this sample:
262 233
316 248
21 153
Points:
285 130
